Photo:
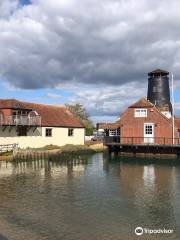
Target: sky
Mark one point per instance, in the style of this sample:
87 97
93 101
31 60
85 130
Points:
97 53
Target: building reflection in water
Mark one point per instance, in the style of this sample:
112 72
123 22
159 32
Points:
43 167
150 192
149 189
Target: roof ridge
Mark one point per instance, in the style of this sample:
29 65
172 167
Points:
32 103
139 101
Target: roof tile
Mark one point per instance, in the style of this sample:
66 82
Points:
52 116
142 103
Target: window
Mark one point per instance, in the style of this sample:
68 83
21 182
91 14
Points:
140 112
48 132
114 132
70 132
22 131
148 129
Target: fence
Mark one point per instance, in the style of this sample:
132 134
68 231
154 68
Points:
8 147
141 140
23 120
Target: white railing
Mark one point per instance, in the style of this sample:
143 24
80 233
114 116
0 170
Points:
8 147
22 120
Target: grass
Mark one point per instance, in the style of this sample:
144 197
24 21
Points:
6 153
69 148
77 149
45 148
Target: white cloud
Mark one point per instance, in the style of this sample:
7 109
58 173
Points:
101 50
51 42
7 8
111 101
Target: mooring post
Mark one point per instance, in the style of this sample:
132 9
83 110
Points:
109 150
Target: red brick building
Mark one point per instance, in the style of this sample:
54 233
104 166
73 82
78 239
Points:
145 123
148 121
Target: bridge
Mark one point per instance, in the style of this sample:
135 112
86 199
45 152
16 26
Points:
135 145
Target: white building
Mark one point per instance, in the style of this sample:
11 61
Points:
36 125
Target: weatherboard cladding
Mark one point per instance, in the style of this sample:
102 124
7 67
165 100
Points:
51 116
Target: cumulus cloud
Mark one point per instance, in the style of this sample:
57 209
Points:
109 101
7 8
112 42
53 43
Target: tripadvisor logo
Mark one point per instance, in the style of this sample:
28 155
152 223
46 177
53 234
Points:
139 231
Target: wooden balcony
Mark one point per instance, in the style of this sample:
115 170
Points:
20 120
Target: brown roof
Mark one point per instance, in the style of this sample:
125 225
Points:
142 103
12 103
52 116
109 125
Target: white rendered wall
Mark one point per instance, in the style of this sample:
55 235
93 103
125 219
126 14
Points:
38 139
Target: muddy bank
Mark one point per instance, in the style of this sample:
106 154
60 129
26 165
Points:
88 148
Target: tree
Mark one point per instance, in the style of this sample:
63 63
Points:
80 112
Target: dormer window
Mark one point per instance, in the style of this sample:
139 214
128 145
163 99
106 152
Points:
140 112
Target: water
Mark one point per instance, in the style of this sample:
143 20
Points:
102 199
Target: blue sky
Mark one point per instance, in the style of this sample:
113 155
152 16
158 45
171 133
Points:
53 52
25 2
49 96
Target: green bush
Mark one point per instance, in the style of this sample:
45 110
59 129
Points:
89 131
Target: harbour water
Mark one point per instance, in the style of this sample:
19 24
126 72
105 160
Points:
98 199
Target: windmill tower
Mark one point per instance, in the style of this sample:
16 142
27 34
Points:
158 91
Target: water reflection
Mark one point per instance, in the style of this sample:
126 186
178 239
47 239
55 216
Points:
52 168
98 198
151 189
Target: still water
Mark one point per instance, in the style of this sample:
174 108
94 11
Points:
99 199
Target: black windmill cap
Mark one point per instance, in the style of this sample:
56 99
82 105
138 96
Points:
158 72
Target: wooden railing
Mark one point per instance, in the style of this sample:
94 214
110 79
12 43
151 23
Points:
8 147
141 140
23 120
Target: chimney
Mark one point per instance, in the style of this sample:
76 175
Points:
158 90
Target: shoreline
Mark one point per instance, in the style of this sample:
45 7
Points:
88 148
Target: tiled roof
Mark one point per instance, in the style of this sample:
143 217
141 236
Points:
142 103
12 103
51 115
109 125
